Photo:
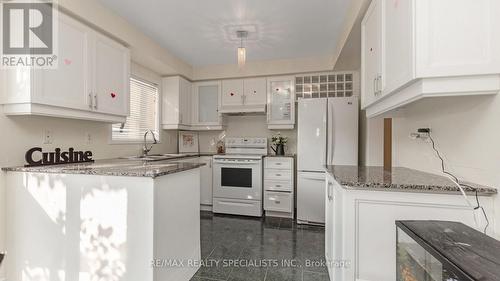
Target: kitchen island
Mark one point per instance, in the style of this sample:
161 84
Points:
108 220
363 203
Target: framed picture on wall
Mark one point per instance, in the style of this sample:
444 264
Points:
188 142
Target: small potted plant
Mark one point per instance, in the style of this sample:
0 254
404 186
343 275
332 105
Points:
279 143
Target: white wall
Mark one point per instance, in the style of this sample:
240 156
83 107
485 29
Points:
466 130
246 126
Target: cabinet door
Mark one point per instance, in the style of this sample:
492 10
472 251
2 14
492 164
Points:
206 103
206 181
232 92
185 102
255 91
371 41
281 100
329 238
68 85
398 33
111 76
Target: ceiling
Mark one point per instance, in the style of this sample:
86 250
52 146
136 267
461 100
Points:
202 32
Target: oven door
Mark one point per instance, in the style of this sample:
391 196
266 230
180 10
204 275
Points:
238 179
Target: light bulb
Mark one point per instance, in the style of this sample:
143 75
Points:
241 56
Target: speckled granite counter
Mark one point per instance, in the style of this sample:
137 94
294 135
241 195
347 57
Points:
113 167
398 179
286 155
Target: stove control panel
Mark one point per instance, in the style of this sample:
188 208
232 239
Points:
257 146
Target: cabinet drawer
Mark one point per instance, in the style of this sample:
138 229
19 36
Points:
277 185
278 201
279 175
278 163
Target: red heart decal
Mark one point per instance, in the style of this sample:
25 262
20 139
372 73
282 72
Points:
67 61
113 95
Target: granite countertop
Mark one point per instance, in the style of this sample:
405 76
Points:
114 167
398 179
286 155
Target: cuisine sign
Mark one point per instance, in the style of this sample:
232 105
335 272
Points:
37 157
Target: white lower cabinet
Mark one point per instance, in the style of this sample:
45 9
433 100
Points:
206 182
206 176
278 186
360 230
91 80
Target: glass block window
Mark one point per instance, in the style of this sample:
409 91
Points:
326 85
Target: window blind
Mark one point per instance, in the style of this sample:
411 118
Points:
143 113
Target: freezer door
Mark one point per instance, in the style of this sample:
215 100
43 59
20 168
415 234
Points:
343 116
311 142
311 197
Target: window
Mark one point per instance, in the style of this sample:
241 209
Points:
143 113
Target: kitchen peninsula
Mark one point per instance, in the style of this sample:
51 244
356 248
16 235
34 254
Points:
363 203
107 220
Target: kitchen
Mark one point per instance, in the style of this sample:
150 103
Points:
262 147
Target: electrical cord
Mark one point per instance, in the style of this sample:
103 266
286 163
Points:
460 185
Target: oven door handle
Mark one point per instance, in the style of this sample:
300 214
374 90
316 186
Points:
236 162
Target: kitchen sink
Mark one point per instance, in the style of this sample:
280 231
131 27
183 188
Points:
154 157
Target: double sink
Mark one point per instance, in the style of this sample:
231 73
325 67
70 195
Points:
156 157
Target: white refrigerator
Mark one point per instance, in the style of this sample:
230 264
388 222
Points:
327 135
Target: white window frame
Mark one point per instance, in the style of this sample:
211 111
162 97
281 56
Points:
158 116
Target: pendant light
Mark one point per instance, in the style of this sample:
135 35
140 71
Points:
242 53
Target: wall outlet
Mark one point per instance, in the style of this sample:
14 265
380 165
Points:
88 138
48 137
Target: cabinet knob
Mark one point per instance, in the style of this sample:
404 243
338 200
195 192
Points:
277 202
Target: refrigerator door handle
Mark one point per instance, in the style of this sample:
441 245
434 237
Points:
330 139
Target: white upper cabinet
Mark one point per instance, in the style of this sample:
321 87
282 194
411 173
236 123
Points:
371 46
176 101
111 77
91 67
205 108
281 102
68 86
255 92
427 49
232 93
243 95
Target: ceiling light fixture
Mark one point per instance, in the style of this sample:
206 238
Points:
242 53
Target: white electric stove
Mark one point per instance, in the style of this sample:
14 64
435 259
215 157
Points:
237 177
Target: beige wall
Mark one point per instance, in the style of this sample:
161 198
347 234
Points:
264 68
143 48
466 130
246 126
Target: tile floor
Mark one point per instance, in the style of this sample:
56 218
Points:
268 249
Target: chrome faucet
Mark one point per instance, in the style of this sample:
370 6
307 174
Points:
145 149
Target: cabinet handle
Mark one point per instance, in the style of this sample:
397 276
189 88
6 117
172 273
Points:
90 100
375 86
95 101
379 84
278 164
330 191
278 185
279 175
